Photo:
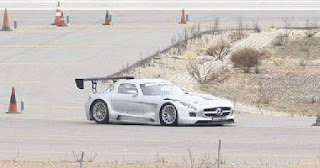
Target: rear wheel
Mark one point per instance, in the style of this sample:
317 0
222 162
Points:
100 112
168 115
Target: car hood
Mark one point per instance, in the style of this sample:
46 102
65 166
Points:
201 100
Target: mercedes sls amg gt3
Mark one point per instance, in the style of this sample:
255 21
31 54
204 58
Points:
154 101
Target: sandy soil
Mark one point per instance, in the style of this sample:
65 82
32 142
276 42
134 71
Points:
282 86
50 164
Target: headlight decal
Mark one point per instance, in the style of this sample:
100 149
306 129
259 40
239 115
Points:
189 106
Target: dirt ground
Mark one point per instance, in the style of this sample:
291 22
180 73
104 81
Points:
62 164
288 80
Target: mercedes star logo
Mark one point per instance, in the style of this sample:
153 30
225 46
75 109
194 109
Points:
219 111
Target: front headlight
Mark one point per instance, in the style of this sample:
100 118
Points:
188 105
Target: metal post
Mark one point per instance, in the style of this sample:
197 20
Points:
22 105
219 155
187 17
15 23
81 159
68 19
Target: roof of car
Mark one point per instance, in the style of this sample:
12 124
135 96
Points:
142 81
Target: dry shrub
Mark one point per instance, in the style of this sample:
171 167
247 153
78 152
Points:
201 72
203 162
263 93
240 30
256 26
247 58
219 51
311 28
287 25
215 26
204 72
280 40
307 46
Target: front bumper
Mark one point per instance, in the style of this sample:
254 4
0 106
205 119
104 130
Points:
197 117
222 122
206 121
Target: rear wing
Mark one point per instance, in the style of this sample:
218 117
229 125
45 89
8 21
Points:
94 81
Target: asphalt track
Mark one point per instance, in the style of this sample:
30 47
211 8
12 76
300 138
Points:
253 139
41 61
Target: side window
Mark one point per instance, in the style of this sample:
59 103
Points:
127 88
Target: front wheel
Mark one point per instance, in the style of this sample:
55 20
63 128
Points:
168 115
100 112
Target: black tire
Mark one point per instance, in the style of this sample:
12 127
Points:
163 120
99 112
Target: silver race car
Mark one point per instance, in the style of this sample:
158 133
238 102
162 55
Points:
154 101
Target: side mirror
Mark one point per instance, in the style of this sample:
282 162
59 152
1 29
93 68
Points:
133 92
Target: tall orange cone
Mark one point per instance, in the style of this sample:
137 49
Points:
6 22
183 17
107 20
13 102
62 23
58 15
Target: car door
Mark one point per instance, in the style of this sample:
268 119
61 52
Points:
151 103
127 100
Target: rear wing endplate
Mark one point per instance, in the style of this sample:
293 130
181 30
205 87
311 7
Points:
94 81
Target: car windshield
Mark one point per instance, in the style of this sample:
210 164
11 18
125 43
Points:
160 89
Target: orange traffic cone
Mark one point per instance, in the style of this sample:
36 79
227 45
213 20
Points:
62 23
6 22
107 20
183 18
58 15
13 102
